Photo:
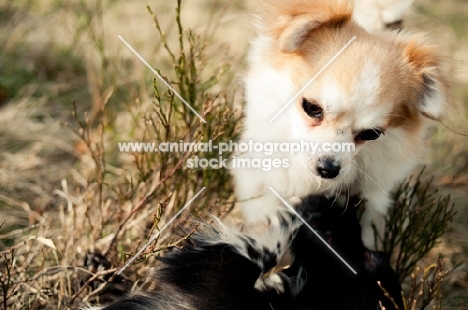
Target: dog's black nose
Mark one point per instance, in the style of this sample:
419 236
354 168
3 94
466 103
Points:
327 168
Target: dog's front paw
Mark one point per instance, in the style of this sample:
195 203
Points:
373 229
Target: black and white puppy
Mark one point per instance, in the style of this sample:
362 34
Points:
221 267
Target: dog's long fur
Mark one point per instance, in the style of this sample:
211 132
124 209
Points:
221 267
387 83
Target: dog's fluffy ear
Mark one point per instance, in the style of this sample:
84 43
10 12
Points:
431 85
296 31
290 22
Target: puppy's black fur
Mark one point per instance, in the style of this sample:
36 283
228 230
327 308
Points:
330 284
207 275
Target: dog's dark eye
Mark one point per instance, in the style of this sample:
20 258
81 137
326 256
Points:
312 108
369 134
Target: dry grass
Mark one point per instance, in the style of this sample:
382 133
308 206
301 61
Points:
65 190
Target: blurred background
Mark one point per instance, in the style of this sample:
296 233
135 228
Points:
70 90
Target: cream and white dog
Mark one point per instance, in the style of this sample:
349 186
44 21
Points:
380 93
